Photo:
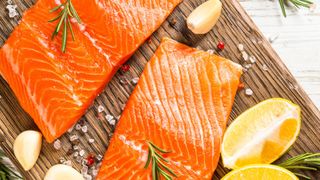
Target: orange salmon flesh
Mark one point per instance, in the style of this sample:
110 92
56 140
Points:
56 88
181 103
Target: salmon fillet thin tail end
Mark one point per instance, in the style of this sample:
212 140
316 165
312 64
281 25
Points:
57 88
181 103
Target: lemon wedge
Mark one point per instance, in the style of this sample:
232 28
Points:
261 134
260 171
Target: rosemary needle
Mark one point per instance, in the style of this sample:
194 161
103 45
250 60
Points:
67 11
296 3
307 161
157 160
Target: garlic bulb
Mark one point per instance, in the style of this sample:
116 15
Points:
27 148
204 17
63 172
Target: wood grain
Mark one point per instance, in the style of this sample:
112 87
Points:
234 27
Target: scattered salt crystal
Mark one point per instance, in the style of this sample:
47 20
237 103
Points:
84 129
12 10
79 159
68 163
57 144
84 170
210 51
82 152
265 67
62 160
95 172
13 14
91 140
245 56
75 147
123 80
273 38
248 92
99 157
112 122
252 59
248 66
109 117
78 127
73 138
76 154
240 47
9 1
100 108
135 80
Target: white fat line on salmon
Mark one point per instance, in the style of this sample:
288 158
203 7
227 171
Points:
254 143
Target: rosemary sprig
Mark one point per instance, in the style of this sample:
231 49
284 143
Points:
67 11
157 161
6 173
296 3
307 161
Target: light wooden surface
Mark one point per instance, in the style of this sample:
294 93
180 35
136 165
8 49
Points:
234 27
298 42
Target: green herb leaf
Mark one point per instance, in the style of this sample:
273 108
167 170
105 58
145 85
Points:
296 3
158 166
67 11
307 161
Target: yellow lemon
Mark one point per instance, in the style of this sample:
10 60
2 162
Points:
260 171
261 134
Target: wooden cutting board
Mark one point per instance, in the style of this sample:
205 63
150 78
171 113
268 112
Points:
268 78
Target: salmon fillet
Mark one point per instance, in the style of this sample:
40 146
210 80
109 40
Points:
181 103
56 88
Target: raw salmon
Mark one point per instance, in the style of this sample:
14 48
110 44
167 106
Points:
181 103
56 88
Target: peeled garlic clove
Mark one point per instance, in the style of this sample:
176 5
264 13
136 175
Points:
62 172
204 17
27 148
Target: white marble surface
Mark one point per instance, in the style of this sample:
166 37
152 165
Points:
297 39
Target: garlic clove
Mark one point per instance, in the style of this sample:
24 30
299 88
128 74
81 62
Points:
27 148
203 18
63 172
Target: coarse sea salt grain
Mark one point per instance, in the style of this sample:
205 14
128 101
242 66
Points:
112 122
100 108
84 129
109 117
78 127
82 152
248 92
252 59
73 138
57 144
12 10
135 80
265 67
245 56
240 47
91 140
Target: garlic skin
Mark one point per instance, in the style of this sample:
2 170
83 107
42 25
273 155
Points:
62 172
204 17
27 147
